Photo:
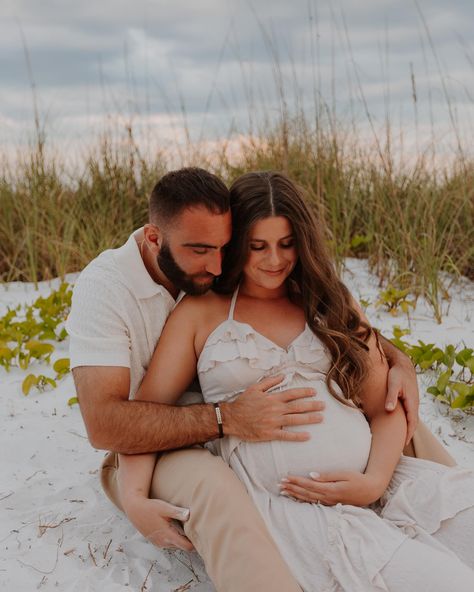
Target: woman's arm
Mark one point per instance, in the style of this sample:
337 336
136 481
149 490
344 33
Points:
388 429
388 438
171 371
402 385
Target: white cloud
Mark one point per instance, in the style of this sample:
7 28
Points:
216 59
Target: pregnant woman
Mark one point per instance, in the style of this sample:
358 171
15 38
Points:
369 518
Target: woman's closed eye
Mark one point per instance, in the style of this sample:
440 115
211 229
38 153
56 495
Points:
261 247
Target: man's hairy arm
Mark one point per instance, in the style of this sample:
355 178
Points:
151 422
116 423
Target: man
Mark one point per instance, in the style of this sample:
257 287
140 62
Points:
120 304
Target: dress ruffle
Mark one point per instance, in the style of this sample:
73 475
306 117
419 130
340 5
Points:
422 494
233 340
309 351
230 342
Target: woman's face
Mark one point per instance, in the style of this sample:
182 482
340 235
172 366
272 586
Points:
272 252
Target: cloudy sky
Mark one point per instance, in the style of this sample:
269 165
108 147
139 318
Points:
216 66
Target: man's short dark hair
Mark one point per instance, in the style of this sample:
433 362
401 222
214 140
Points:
185 188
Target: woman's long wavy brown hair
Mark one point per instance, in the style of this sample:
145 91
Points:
313 283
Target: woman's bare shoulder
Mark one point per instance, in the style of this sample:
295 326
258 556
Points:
202 307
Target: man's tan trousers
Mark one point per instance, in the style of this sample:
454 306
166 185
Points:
224 525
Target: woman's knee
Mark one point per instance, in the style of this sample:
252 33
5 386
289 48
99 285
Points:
446 572
457 534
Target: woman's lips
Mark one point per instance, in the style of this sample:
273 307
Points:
269 272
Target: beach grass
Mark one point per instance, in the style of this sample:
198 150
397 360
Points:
412 223
411 215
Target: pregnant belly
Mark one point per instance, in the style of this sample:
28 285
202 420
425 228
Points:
340 443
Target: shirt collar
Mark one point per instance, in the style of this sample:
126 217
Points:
134 272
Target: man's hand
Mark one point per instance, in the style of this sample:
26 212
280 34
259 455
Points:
402 384
345 487
154 519
259 416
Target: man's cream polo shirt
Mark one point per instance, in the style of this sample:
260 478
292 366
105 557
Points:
118 313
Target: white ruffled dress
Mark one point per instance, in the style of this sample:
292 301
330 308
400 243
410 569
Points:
329 549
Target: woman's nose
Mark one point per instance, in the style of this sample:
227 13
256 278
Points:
274 257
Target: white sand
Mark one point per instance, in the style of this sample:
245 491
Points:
59 532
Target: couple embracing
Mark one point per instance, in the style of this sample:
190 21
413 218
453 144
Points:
291 471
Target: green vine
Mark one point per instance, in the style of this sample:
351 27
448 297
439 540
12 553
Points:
453 368
26 333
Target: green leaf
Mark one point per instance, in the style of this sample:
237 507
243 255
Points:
425 364
6 353
62 335
44 381
73 401
24 361
463 356
39 349
443 380
61 366
433 391
399 332
359 240
470 365
51 381
449 356
30 381
460 402
47 334
461 388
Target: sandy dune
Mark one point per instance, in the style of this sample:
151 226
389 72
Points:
59 532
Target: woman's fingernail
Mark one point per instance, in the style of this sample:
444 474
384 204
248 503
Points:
285 493
285 480
390 406
184 514
314 475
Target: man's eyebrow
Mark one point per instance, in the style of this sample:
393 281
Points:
262 240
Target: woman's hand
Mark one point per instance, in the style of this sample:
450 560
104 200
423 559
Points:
345 487
154 519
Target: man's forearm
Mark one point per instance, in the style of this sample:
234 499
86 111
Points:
133 427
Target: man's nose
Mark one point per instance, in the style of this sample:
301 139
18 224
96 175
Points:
214 263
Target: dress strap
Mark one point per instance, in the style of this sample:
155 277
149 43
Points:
232 304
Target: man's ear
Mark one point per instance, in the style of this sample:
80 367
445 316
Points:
153 237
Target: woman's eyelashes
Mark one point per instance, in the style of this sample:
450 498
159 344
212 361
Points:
261 247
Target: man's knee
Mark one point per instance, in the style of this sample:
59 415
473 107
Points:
182 476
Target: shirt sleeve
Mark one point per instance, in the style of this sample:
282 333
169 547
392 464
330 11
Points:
98 332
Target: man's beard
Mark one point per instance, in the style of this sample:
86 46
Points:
179 278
